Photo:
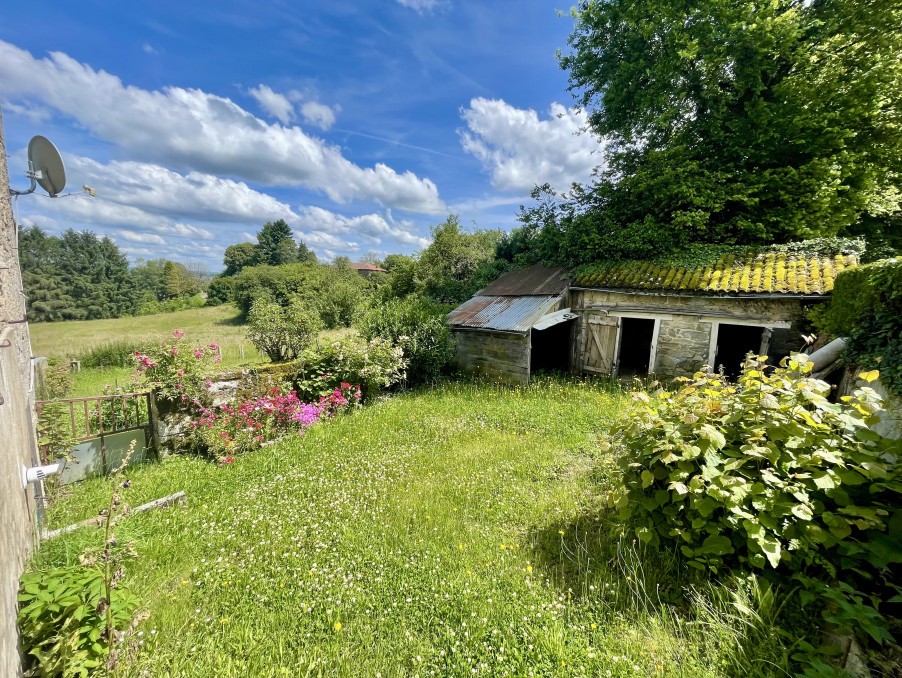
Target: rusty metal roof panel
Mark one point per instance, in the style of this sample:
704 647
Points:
534 280
504 314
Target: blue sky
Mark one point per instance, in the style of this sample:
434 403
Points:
362 124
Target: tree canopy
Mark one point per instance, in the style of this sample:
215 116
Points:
731 121
456 263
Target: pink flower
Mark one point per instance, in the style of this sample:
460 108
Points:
198 353
175 351
180 373
178 334
214 347
217 359
227 460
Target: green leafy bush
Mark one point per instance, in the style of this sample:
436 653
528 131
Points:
282 332
335 291
418 327
221 290
866 306
765 473
63 622
119 353
171 305
374 365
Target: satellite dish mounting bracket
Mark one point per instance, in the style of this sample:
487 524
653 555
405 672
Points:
32 174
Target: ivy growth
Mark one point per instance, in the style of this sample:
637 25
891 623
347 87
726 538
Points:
866 306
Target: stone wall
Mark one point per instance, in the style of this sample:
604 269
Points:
684 337
499 355
18 446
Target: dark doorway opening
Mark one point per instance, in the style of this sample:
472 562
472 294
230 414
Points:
550 348
734 342
636 335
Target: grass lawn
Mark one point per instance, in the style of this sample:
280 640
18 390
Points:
455 532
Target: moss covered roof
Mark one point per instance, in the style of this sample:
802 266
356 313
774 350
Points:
735 272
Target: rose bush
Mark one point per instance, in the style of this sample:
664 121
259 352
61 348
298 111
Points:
176 371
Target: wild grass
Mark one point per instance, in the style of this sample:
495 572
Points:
453 532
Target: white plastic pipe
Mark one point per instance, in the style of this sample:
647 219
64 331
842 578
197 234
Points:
36 474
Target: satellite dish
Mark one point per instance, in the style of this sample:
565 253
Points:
47 165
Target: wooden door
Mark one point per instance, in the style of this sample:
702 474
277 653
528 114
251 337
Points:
601 343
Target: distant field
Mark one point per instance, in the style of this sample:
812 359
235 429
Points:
203 325
220 324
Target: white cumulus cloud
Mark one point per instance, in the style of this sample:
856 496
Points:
318 114
196 130
277 105
521 150
330 233
194 195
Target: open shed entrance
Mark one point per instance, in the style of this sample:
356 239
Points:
550 348
636 337
734 342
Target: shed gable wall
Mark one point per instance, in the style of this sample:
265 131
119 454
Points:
498 355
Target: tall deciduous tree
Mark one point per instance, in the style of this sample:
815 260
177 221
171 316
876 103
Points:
447 270
734 121
239 256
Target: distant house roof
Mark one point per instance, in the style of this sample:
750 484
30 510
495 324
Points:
536 280
363 266
755 272
514 302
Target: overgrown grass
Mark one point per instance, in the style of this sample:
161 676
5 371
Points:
455 532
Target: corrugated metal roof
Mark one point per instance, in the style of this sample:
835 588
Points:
506 314
536 280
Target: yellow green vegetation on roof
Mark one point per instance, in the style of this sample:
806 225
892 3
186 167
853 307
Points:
807 267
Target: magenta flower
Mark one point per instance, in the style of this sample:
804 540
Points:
178 334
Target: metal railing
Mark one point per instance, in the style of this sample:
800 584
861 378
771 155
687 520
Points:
96 416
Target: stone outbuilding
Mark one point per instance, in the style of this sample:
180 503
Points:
639 318
518 324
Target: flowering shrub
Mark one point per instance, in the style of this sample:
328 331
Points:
233 429
176 371
374 365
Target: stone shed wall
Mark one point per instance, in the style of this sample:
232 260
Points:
500 355
684 340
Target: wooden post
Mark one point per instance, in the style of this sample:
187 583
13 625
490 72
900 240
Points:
153 420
